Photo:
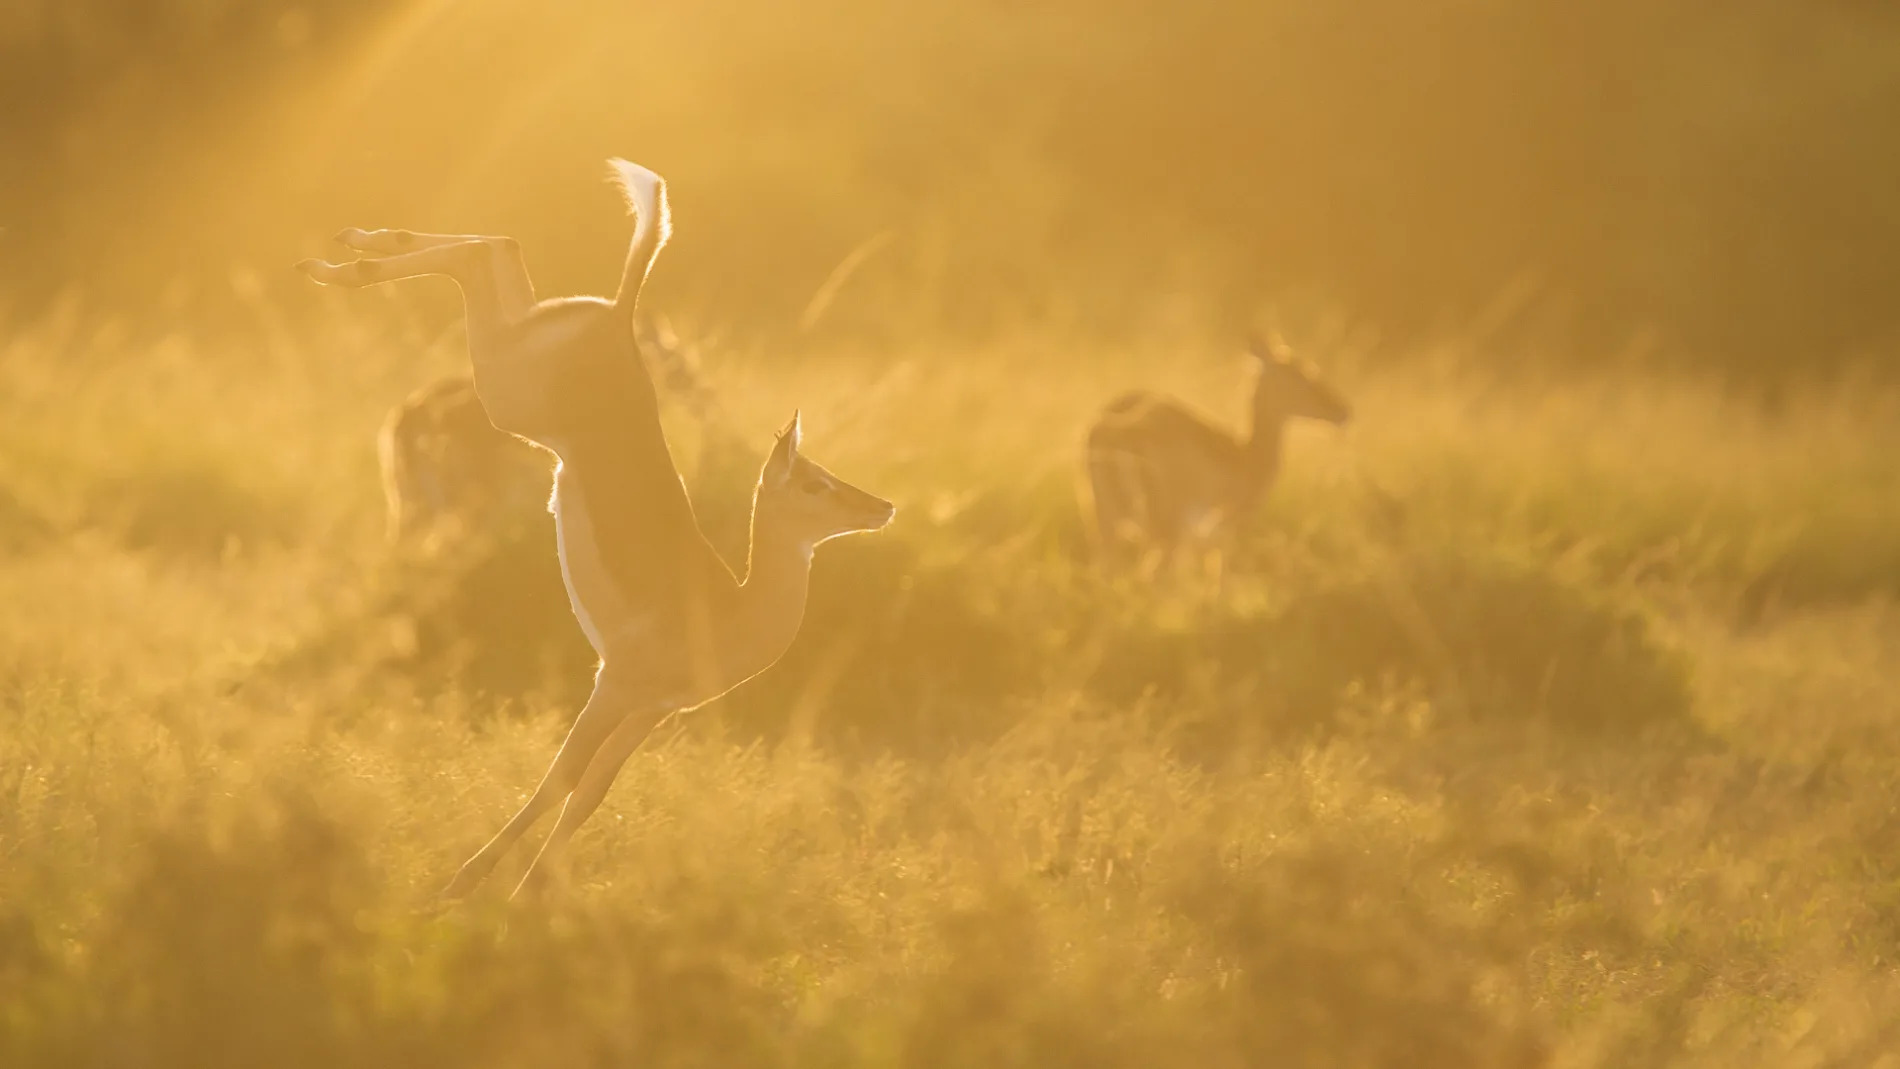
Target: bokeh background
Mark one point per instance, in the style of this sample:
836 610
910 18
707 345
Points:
1547 714
1713 180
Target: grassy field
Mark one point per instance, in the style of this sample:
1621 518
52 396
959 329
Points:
1540 722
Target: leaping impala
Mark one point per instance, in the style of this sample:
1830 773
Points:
447 470
1160 477
673 627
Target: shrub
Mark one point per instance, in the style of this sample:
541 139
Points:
1486 638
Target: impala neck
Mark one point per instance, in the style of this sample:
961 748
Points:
1262 447
772 596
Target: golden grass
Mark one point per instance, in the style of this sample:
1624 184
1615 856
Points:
1581 757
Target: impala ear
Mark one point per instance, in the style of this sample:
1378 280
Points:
785 450
1269 348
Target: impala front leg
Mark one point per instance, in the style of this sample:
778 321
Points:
604 712
591 790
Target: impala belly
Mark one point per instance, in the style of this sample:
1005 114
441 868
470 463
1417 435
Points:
590 591
1202 520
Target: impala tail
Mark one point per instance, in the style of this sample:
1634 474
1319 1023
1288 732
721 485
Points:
646 199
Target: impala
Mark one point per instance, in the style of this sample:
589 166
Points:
447 470
672 625
1162 478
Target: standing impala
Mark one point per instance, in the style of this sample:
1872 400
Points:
1161 477
673 627
447 469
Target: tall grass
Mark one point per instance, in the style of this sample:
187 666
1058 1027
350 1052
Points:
1536 723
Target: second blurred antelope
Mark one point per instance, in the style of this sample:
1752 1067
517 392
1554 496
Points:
1161 477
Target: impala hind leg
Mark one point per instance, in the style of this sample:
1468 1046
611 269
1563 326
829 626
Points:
1209 560
604 712
1112 510
591 790
490 270
394 242
514 291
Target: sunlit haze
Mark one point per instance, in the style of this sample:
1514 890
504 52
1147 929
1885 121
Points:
1106 534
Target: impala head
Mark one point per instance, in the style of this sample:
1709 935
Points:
1290 387
796 498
